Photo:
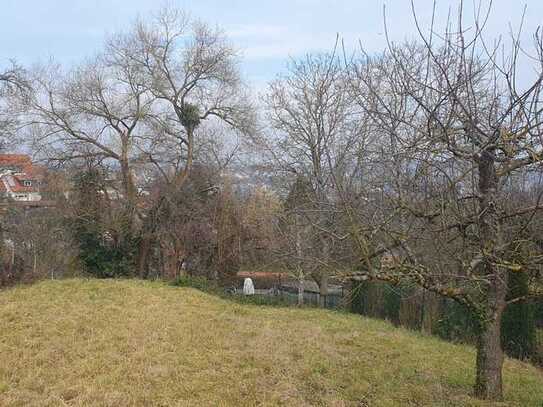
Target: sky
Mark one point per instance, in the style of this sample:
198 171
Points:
267 32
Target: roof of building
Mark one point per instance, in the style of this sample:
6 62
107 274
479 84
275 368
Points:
18 185
24 163
25 170
14 158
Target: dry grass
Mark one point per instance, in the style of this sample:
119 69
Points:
134 343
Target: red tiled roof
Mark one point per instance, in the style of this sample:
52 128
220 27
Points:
19 187
24 162
16 185
28 171
15 159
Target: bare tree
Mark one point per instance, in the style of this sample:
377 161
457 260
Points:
457 127
94 111
310 113
192 72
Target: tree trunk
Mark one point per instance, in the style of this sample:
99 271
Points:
150 223
143 256
323 290
34 262
488 383
299 253
323 278
130 194
300 289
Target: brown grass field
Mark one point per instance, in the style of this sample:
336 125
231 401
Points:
134 343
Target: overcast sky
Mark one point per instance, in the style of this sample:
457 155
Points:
267 31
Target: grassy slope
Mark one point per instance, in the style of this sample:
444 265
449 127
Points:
115 343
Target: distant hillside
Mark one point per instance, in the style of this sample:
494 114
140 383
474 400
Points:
126 343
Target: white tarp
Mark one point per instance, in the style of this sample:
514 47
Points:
248 287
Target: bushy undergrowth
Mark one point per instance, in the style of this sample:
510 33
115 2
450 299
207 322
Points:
103 233
452 321
200 283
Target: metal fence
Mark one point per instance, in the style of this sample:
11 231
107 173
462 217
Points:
331 301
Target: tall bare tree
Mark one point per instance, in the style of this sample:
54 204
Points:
458 126
310 114
94 111
192 71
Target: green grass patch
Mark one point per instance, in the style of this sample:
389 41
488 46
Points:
130 343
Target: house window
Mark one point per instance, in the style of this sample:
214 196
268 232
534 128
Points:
27 183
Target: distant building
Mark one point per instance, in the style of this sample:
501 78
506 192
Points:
20 179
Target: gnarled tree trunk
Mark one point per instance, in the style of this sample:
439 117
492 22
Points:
488 383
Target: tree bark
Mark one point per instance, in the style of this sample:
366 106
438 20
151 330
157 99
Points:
323 290
299 254
324 273
489 364
488 384
300 288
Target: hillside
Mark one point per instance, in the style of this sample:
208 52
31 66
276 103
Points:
120 343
